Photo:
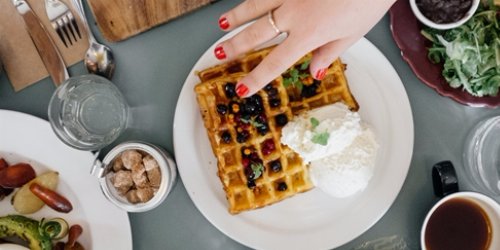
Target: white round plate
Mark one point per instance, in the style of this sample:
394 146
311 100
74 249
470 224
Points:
311 220
25 138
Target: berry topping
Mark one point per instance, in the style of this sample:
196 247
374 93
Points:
255 103
249 173
242 136
263 129
281 120
234 107
282 186
261 118
268 87
249 108
254 156
251 183
237 119
245 162
221 109
242 125
269 143
274 103
256 99
247 151
273 92
310 90
226 137
268 147
275 166
230 90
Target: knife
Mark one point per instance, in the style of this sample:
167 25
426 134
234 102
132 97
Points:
44 45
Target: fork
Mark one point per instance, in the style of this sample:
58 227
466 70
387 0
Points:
63 21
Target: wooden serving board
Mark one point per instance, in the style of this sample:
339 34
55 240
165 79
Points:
121 19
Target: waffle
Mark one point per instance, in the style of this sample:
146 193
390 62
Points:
254 167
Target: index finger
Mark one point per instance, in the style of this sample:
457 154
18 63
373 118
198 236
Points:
274 64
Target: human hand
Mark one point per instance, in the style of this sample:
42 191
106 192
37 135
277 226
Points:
326 27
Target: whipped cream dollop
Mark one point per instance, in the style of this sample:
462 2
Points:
340 148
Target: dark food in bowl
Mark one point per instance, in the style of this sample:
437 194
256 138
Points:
444 11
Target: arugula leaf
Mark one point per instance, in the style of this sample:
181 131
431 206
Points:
321 138
470 53
314 122
257 169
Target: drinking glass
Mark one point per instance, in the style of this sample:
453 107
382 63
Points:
482 156
88 112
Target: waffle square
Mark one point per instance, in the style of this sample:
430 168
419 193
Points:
254 167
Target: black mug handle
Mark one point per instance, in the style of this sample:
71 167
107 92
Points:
444 179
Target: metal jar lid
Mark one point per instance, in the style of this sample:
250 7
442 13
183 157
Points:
168 171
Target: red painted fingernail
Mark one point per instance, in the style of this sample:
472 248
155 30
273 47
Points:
241 89
219 52
320 74
223 23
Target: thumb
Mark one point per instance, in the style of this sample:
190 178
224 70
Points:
326 54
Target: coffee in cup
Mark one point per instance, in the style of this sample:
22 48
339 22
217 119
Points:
463 220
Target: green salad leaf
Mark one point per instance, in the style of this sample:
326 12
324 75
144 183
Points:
470 53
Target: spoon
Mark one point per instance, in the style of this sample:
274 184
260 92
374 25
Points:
99 59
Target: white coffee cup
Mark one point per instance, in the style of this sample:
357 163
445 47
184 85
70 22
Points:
488 205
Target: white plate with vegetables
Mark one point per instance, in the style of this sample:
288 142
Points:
28 139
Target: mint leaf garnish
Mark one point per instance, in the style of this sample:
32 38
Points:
246 121
294 77
321 138
287 82
252 122
257 124
257 169
314 122
299 85
305 65
304 75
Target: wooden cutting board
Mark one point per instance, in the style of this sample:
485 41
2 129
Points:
121 19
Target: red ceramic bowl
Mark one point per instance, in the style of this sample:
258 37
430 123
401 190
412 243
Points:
406 32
